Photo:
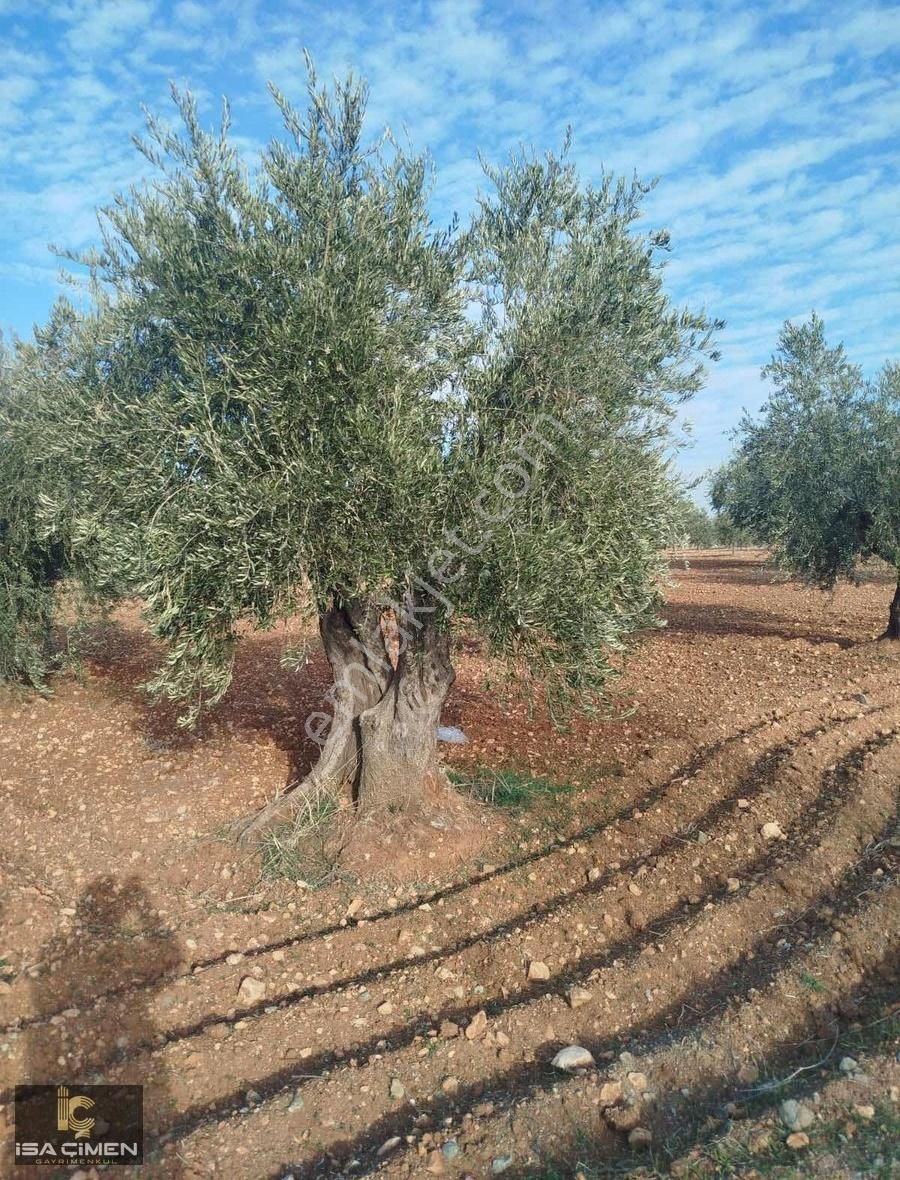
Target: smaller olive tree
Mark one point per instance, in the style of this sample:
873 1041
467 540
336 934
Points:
817 475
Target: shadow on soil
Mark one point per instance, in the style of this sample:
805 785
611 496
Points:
688 619
697 1008
709 1119
759 776
115 938
264 697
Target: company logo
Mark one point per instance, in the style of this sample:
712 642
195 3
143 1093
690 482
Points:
67 1119
58 1125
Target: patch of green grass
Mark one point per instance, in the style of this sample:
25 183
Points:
870 1149
811 983
508 788
297 851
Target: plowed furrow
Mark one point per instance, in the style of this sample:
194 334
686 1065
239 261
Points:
757 778
690 922
766 1030
526 1078
281 1024
489 886
555 849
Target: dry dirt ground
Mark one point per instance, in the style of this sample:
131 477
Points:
409 1027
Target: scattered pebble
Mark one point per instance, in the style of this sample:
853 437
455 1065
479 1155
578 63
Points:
796 1116
251 990
477 1026
623 1118
571 1058
579 996
450 1149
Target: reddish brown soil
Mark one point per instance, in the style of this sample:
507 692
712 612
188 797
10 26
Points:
714 957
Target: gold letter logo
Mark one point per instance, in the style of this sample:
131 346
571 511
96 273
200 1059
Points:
66 1119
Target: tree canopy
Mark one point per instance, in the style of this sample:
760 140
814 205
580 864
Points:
293 389
818 473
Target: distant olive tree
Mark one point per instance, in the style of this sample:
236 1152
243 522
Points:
293 389
818 473
692 524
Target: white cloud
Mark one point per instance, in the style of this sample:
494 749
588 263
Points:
773 128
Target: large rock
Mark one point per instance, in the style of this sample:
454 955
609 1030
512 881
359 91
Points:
477 1026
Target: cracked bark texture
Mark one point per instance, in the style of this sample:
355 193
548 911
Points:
381 744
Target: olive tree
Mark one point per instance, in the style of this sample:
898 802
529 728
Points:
31 565
817 475
294 390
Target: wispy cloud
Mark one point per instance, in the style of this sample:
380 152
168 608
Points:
772 127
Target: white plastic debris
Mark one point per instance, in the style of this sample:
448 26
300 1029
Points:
452 735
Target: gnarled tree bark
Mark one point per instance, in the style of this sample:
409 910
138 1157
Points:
381 744
354 644
400 771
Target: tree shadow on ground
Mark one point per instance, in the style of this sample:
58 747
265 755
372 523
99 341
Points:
695 1010
114 939
751 570
689 619
265 698
725 986
684 1126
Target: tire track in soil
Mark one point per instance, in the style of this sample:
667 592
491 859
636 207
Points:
760 776
836 784
508 1088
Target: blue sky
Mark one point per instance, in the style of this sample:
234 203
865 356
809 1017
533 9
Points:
774 129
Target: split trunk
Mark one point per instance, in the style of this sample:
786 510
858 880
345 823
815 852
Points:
379 743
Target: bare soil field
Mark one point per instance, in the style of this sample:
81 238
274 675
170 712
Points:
698 887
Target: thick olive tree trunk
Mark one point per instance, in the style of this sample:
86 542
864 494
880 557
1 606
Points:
353 640
381 744
893 628
399 770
